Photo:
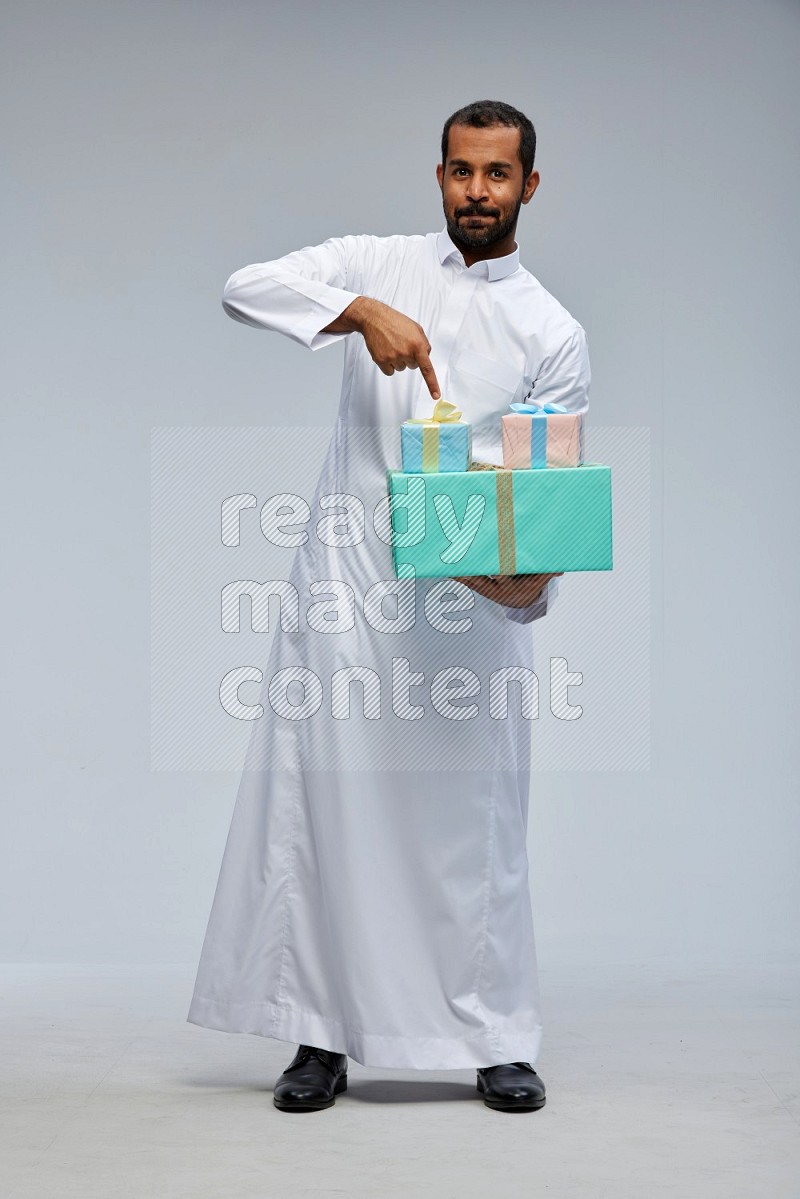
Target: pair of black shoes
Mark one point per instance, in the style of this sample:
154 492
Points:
314 1078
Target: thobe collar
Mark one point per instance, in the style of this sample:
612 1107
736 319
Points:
490 268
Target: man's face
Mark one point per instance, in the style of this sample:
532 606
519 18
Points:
482 184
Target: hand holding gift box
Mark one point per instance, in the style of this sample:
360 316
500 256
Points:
538 436
441 443
514 591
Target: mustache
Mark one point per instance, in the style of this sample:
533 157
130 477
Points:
477 210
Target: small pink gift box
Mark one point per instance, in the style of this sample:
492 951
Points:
537 436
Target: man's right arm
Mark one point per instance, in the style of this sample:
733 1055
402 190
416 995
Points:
297 295
306 295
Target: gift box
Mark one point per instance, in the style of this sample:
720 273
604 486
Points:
493 520
441 443
537 436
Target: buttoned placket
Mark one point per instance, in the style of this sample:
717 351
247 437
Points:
444 337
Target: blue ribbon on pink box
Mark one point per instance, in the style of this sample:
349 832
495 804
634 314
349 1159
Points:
538 409
538 428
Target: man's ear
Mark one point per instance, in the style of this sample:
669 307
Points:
440 174
531 184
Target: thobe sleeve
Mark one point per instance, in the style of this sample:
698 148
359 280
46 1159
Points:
299 294
564 378
565 375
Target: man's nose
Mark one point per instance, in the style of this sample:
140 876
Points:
477 188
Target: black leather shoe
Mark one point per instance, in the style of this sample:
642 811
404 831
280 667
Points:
311 1081
512 1087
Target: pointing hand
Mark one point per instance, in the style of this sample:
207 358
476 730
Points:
394 340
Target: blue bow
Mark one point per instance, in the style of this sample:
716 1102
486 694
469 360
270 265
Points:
537 409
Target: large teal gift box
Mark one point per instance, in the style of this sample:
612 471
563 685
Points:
441 443
492 520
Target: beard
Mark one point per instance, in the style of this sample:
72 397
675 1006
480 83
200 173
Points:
475 239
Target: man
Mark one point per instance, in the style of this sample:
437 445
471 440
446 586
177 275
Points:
373 899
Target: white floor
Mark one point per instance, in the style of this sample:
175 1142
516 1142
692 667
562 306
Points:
659 1084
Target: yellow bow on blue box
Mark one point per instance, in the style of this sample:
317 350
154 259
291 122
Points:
441 442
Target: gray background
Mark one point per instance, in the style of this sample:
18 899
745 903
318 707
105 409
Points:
151 149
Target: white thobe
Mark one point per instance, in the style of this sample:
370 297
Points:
373 897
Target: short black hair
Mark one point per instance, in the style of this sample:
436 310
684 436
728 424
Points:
482 114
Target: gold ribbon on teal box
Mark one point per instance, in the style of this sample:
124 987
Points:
443 411
506 540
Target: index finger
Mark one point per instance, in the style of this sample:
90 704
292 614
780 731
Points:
429 375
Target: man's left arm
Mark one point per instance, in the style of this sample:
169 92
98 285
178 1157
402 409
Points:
564 378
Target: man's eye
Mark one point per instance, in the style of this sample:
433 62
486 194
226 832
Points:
464 171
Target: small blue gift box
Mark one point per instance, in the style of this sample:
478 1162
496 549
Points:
441 443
